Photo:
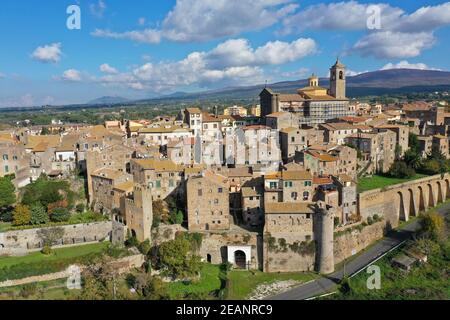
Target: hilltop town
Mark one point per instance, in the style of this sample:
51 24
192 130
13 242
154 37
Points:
298 183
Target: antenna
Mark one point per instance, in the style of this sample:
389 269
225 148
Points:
265 85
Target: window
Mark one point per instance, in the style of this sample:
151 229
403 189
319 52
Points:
288 184
5 157
294 195
273 185
171 183
158 184
220 190
216 201
6 169
200 192
305 195
308 183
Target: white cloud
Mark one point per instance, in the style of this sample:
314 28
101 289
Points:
98 9
203 20
233 62
106 68
150 36
349 15
48 54
404 64
71 75
388 44
402 34
238 52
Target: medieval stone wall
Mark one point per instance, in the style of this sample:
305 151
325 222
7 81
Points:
349 244
31 239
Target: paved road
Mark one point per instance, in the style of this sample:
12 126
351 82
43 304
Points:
328 284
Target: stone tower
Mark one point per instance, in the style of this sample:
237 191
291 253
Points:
325 238
337 80
139 213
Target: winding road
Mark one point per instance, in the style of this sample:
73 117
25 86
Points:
329 283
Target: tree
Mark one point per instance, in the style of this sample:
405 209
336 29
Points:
413 159
38 215
400 169
7 192
433 224
151 288
414 143
45 131
176 257
431 167
21 215
60 215
176 217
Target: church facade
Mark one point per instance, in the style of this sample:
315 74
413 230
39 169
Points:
313 104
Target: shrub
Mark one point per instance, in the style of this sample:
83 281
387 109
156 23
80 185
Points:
376 217
176 217
21 215
60 215
28 290
400 169
369 221
47 250
6 216
145 247
80 208
39 215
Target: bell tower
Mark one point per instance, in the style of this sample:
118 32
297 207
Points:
337 80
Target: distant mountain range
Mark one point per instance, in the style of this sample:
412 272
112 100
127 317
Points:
381 82
108 100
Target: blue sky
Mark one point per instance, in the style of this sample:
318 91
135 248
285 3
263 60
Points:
141 48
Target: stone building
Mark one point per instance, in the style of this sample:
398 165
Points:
208 202
139 212
115 157
312 104
293 140
165 177
378 149
103 183
14 160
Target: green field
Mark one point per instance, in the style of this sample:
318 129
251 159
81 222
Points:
242 283
209 283
58 255
377 181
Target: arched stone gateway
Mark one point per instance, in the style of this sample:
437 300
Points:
240 256
240 259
